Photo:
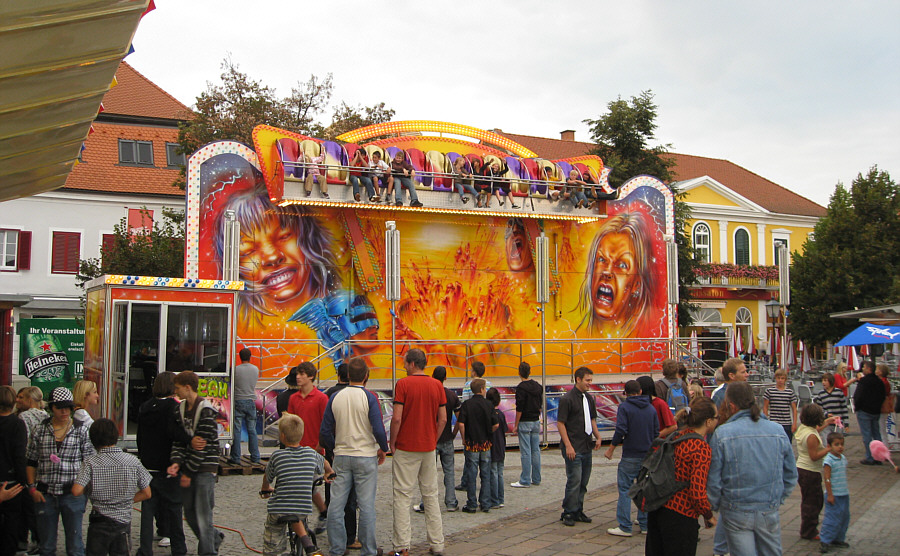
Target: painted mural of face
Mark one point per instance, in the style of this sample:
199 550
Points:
615 277
270 257
518 252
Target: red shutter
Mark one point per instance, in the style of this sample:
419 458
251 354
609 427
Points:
66 252
108 244
23 251
140 221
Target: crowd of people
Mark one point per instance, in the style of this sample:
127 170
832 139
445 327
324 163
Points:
482 180
730 457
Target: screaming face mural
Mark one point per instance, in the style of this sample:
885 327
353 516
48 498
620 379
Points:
314 271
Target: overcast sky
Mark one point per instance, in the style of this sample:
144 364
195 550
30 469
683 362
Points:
805 94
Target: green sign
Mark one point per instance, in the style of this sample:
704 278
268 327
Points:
51 352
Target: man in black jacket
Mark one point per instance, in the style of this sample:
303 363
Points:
477 424
576 420
867 400
157 429
529 402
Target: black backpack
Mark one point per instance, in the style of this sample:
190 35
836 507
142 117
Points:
656 482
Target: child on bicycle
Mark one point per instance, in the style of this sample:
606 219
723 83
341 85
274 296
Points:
292 470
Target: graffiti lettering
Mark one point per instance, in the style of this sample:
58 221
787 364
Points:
213 388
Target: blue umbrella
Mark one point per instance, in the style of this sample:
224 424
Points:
871 334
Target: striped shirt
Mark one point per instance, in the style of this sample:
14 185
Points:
833 403
780 404
292 470
838 465
115 477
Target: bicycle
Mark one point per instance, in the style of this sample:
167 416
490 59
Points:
293 538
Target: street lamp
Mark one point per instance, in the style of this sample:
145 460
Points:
773 311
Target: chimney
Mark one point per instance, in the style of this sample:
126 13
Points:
567 135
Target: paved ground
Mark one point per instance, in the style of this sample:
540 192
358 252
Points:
529 524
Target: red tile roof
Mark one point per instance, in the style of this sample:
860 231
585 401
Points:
757 189
101 171
135 95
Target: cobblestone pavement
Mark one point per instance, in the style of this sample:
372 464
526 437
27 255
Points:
529 523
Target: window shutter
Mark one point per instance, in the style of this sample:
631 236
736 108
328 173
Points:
66 252
107 244
23 251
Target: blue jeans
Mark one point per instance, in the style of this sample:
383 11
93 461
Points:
460 186
530 452
199 499
478 463
445 453
408 184
245 412
578 473
360 474
367 183
497 497
836 520
627 472
165 505
71 508
720 541
869 428
752 532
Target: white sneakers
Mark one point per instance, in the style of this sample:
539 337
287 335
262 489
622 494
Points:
165 541
517 484
618 532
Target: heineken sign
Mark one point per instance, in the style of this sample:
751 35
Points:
51 352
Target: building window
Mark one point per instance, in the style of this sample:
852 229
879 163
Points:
66 252
9 249
778 244
174 159
140 221
743 327
742 247
139 153
701 243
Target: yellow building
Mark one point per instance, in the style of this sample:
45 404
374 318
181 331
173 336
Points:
739 220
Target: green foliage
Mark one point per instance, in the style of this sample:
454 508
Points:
623 138
159 252
231 109
853 262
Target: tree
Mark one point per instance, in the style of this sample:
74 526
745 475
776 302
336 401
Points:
623 138
852 261
231 109
159 252
347 118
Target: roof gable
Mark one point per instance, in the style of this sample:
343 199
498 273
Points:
135 95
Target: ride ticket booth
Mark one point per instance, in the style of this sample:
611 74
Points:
138 326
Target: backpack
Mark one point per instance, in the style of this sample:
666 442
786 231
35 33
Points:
656 482
677 396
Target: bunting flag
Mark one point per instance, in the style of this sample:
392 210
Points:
130 50
114 82
150 8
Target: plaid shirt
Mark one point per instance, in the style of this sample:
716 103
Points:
114 477
75 447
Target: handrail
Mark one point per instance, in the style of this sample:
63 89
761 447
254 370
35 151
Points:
451 175
314 360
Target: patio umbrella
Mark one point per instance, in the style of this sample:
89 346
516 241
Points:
695 344
791 354
852 358
752 344
864 350
805 359
896 349
740 341
871 334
